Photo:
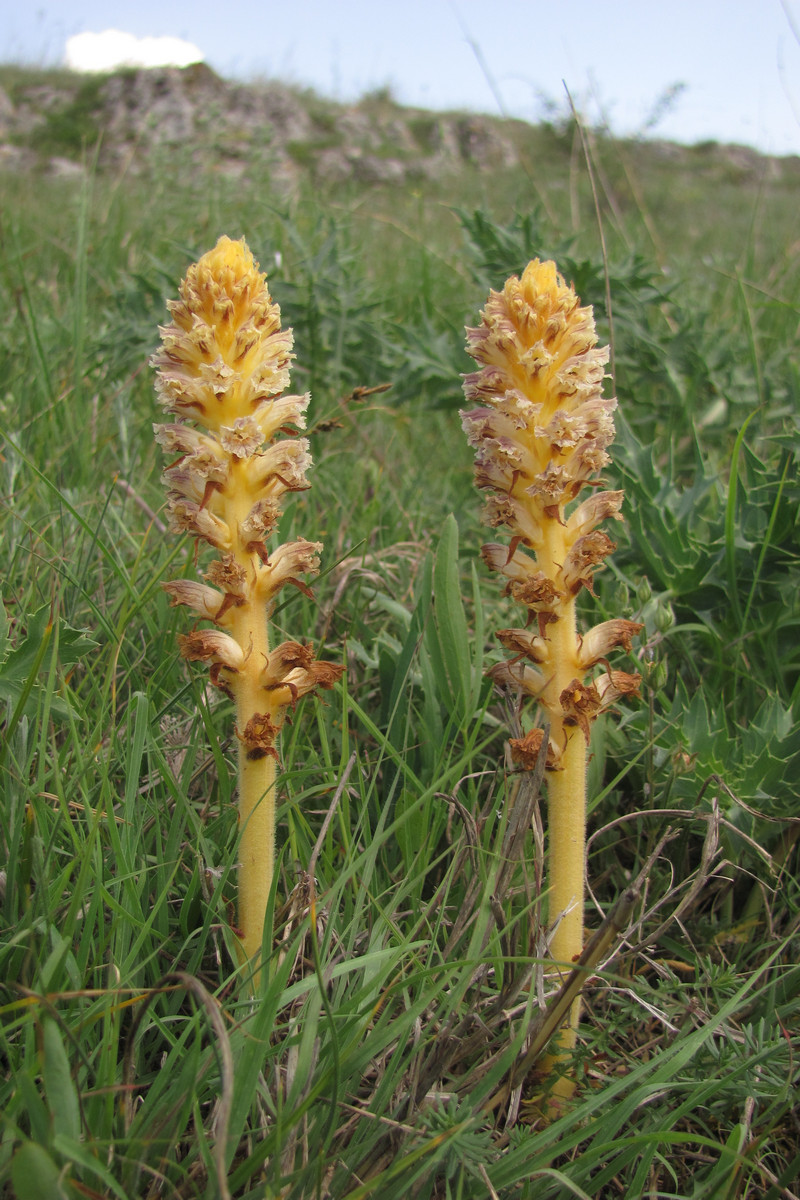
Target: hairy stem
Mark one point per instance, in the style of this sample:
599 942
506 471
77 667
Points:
566 811
566 808
566 795
256 788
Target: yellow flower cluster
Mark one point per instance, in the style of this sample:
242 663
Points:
223 365
540 433
540 436
223 368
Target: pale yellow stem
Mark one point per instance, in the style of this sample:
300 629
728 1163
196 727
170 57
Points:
566 820
566 797
256 775
256 788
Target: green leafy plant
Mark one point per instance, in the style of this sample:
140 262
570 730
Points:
389 1051
48 644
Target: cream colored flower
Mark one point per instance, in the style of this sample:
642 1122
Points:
540 432
222 370
540 435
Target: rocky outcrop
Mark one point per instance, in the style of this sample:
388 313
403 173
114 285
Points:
137 115
192 117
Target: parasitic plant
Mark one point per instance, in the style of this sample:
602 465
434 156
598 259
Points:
222 370
540 435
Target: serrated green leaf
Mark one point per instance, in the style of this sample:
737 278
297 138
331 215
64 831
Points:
21 703
11 691
19 684
24 657
73 644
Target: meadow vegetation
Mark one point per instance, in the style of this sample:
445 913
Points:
385 1053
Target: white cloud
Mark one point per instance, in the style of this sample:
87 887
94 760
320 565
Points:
112 48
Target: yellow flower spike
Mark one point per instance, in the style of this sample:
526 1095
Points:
540 434
224 366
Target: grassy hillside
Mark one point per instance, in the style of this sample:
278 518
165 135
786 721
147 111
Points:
136 1063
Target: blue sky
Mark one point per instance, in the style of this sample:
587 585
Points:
739 60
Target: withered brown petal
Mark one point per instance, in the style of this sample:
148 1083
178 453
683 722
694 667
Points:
580 705
525 750
259 737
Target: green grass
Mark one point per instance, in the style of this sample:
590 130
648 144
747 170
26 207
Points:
408 912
